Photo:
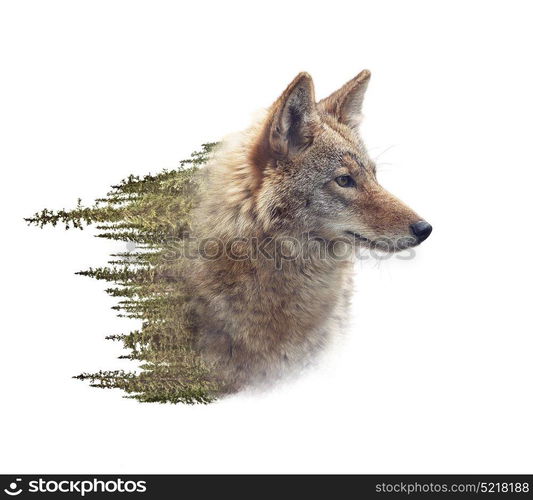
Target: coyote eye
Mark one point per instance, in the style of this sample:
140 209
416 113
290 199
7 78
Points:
345 181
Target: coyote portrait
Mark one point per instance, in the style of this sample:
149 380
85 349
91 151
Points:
300 183
240 261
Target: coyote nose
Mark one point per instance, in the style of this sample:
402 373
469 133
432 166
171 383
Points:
421 230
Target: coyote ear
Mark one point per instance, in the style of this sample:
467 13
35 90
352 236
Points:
294 119
345 104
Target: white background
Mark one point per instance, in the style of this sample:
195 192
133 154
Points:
436 373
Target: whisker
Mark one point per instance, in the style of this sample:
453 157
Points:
384 151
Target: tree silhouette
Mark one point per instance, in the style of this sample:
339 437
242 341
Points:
153 212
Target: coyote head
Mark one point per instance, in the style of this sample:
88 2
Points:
312 172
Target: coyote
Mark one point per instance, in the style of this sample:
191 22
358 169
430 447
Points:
298 181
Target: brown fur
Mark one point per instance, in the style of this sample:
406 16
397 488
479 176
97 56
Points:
257 318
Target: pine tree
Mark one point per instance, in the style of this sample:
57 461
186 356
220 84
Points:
153 212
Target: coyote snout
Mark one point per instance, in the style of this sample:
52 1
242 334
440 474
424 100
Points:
380 220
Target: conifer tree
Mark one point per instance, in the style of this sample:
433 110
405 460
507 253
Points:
153 212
